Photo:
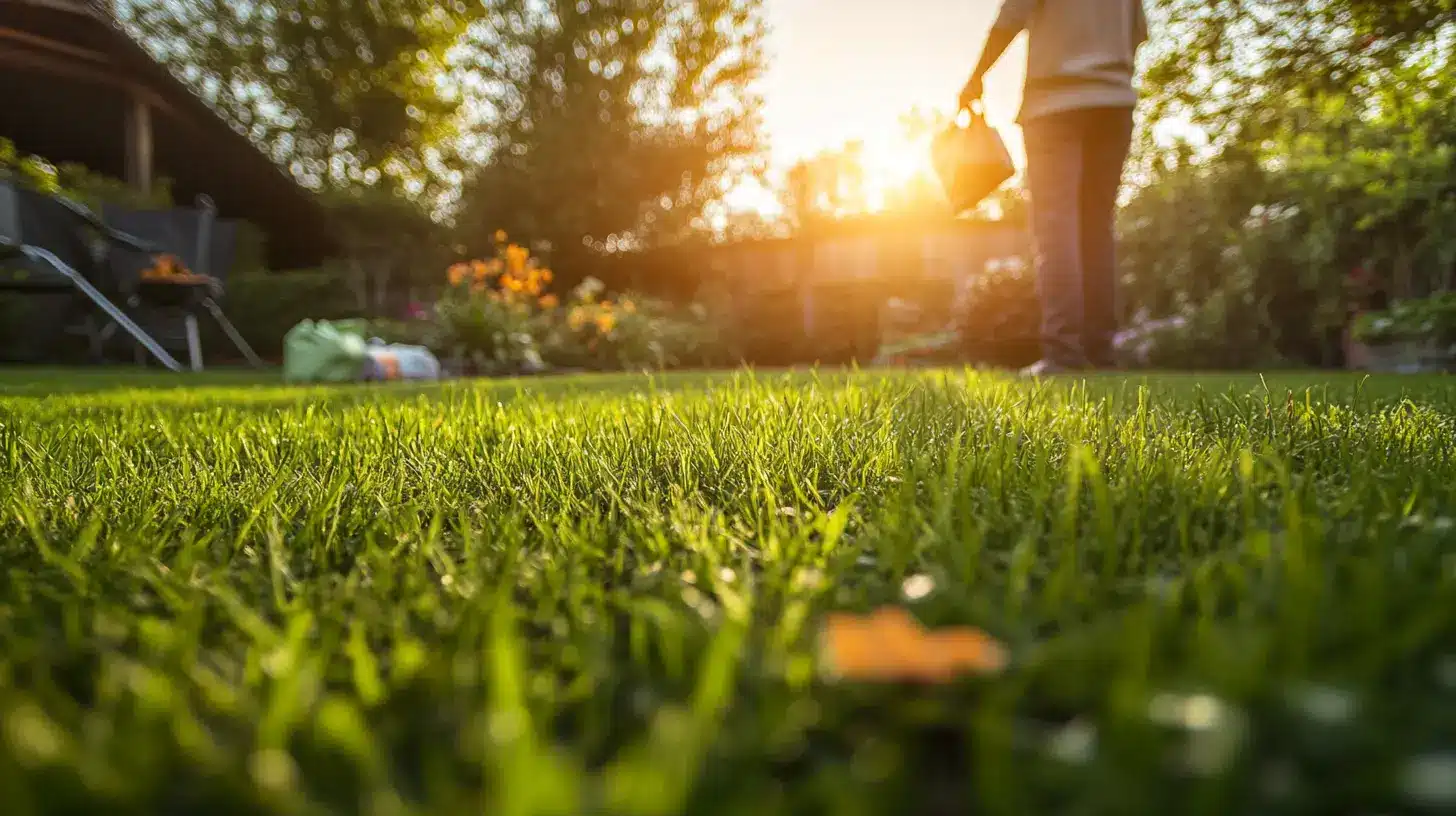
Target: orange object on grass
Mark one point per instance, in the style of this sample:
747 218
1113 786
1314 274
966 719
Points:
889 645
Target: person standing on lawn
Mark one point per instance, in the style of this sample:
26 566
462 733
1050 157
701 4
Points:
1077 115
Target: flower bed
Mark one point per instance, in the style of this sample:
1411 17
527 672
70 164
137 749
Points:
499 316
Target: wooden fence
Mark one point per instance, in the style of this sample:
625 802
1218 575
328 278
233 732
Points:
816 297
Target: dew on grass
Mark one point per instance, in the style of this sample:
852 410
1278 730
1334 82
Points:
235 552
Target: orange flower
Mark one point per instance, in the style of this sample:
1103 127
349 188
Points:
549 301
457 273
629 307
500 236
577 319
480 270
516 257
606 321
546 275
890 645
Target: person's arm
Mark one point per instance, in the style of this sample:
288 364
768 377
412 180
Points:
1014 17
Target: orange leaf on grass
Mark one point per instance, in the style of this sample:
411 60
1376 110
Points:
889 645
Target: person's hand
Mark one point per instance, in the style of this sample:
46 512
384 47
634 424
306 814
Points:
971 93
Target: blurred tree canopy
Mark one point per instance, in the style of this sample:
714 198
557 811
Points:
1307 140
341 92
598 122
1235 67
611 123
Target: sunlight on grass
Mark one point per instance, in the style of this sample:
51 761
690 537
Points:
605 593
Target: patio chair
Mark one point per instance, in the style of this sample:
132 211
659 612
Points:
49 244
203 247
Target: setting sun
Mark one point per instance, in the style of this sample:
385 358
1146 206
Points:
825 92
891 163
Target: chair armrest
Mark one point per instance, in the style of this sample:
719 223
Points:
128 241
110 233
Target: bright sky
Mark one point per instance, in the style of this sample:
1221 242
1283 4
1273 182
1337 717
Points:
847 69
844 70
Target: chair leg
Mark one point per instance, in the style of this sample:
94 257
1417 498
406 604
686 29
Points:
38 254
194 341
227 327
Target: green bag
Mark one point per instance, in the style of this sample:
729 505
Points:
321 352
355 325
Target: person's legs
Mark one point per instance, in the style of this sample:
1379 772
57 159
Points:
1107 137
1054 167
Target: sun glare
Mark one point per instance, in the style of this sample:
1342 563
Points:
891 163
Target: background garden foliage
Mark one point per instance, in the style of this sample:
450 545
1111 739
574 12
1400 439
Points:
1316 140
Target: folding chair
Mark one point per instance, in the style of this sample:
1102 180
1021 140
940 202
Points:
50 244
203 246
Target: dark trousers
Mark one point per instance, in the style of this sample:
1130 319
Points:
1074 163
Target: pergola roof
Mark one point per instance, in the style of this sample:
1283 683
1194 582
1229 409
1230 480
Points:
71 76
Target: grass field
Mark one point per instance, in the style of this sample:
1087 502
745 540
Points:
604 594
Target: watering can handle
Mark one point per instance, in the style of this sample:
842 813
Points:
970 113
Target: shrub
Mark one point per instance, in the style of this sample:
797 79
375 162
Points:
485 320
498 317
265 305
1214 335
998 315
630 333
1426 321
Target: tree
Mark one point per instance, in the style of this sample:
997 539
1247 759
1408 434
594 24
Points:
1234 65
341 92
358 98
611 123
1330 146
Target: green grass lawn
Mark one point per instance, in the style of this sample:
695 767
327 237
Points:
603 594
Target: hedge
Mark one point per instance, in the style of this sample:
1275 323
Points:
265 305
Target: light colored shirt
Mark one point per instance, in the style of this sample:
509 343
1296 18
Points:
1083 52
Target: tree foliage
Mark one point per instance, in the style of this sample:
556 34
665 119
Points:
1232 64
1330 146
611 123
339 91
